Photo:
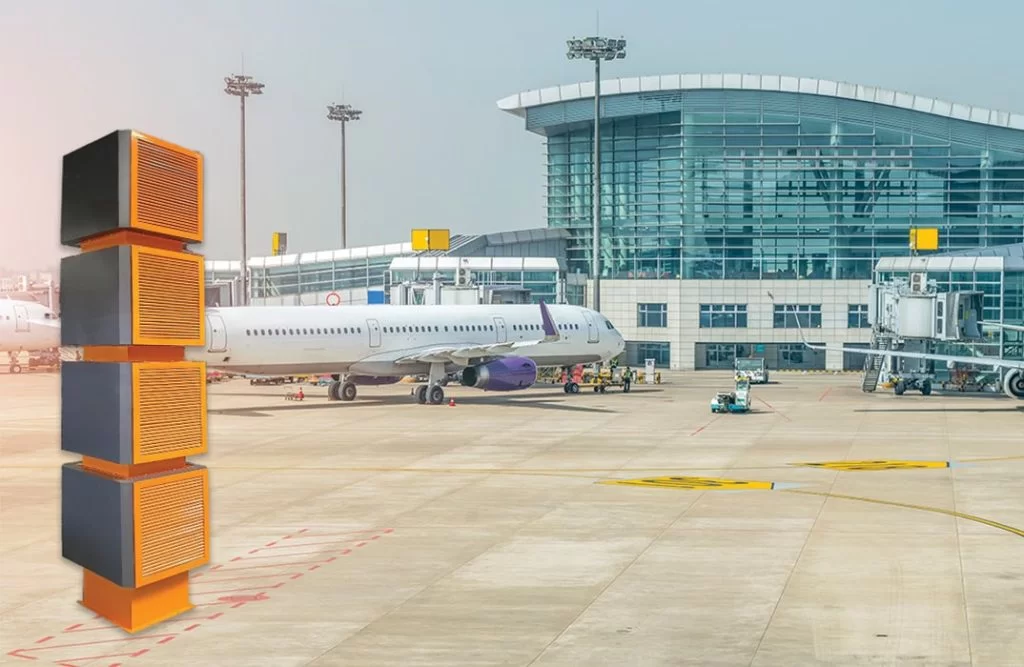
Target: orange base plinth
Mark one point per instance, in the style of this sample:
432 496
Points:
135 609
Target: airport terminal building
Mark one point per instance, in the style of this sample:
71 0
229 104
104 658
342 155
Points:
717 188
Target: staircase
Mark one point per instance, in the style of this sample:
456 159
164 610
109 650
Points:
873 363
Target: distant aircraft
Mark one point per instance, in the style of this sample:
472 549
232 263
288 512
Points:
26 326
1013 379
497 347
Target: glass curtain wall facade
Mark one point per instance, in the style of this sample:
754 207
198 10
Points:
737 184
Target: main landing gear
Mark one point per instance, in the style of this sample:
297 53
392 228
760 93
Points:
13 365
433 391
341 391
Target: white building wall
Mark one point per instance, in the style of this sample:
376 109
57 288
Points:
619 299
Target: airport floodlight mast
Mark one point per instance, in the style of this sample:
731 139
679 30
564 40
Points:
243 86
343 113
597 49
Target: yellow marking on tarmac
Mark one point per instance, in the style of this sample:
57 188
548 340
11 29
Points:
694 483
883 464
924 508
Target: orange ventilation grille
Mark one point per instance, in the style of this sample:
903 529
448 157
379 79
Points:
170 410
168 299
167 189
170 531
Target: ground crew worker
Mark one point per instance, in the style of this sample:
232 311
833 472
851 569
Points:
627 377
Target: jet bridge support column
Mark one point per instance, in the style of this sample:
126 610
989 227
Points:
135 511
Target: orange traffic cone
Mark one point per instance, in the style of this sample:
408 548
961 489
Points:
451 402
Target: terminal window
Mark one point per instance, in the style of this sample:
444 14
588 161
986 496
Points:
637 352
723 315
787 316
857 316
652 315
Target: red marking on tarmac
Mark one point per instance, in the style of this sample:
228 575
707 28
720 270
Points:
704 427
825 393
773 409
274 575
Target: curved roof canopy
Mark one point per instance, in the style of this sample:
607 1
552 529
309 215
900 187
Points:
519 103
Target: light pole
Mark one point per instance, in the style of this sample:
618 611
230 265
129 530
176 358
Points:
597 49
343 113
243 86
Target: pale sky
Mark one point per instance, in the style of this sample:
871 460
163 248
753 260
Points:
432 148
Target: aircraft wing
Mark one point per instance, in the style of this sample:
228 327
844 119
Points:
1000 325
976 361
461 354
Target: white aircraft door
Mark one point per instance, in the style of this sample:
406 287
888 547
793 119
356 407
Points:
218 333
373 326
593 333
500 330
21 322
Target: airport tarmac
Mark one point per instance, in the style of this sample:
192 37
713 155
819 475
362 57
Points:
383 532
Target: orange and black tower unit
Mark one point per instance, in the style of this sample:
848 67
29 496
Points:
135 511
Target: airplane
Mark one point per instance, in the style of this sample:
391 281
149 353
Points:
1013 379
26 326
497 347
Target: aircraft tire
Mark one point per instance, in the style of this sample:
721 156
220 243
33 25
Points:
332 391
436 394
926 388
15 368
421 394
348 391
573 388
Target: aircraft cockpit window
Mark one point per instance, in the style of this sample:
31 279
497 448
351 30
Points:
609 325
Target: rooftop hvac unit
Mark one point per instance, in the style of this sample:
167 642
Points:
918 283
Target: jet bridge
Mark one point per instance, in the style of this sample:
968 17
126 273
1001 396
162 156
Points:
911 315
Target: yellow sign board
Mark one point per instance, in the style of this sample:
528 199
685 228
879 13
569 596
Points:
882 464
279 244
695 483
430 239
925 238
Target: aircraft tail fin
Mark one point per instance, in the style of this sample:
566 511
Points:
550 330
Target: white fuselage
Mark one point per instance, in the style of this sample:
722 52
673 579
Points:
369 340
27 326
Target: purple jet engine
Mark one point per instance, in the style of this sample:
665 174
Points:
504 374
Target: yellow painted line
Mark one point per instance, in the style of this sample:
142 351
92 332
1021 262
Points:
882 464
924 508
694 483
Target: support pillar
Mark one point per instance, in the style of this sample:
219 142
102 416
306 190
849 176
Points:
135 511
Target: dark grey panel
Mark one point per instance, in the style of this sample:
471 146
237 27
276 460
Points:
95 297
96 524
95 188
96 410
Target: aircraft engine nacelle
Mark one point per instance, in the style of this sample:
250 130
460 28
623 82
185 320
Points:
505 374
1013 383
373 380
